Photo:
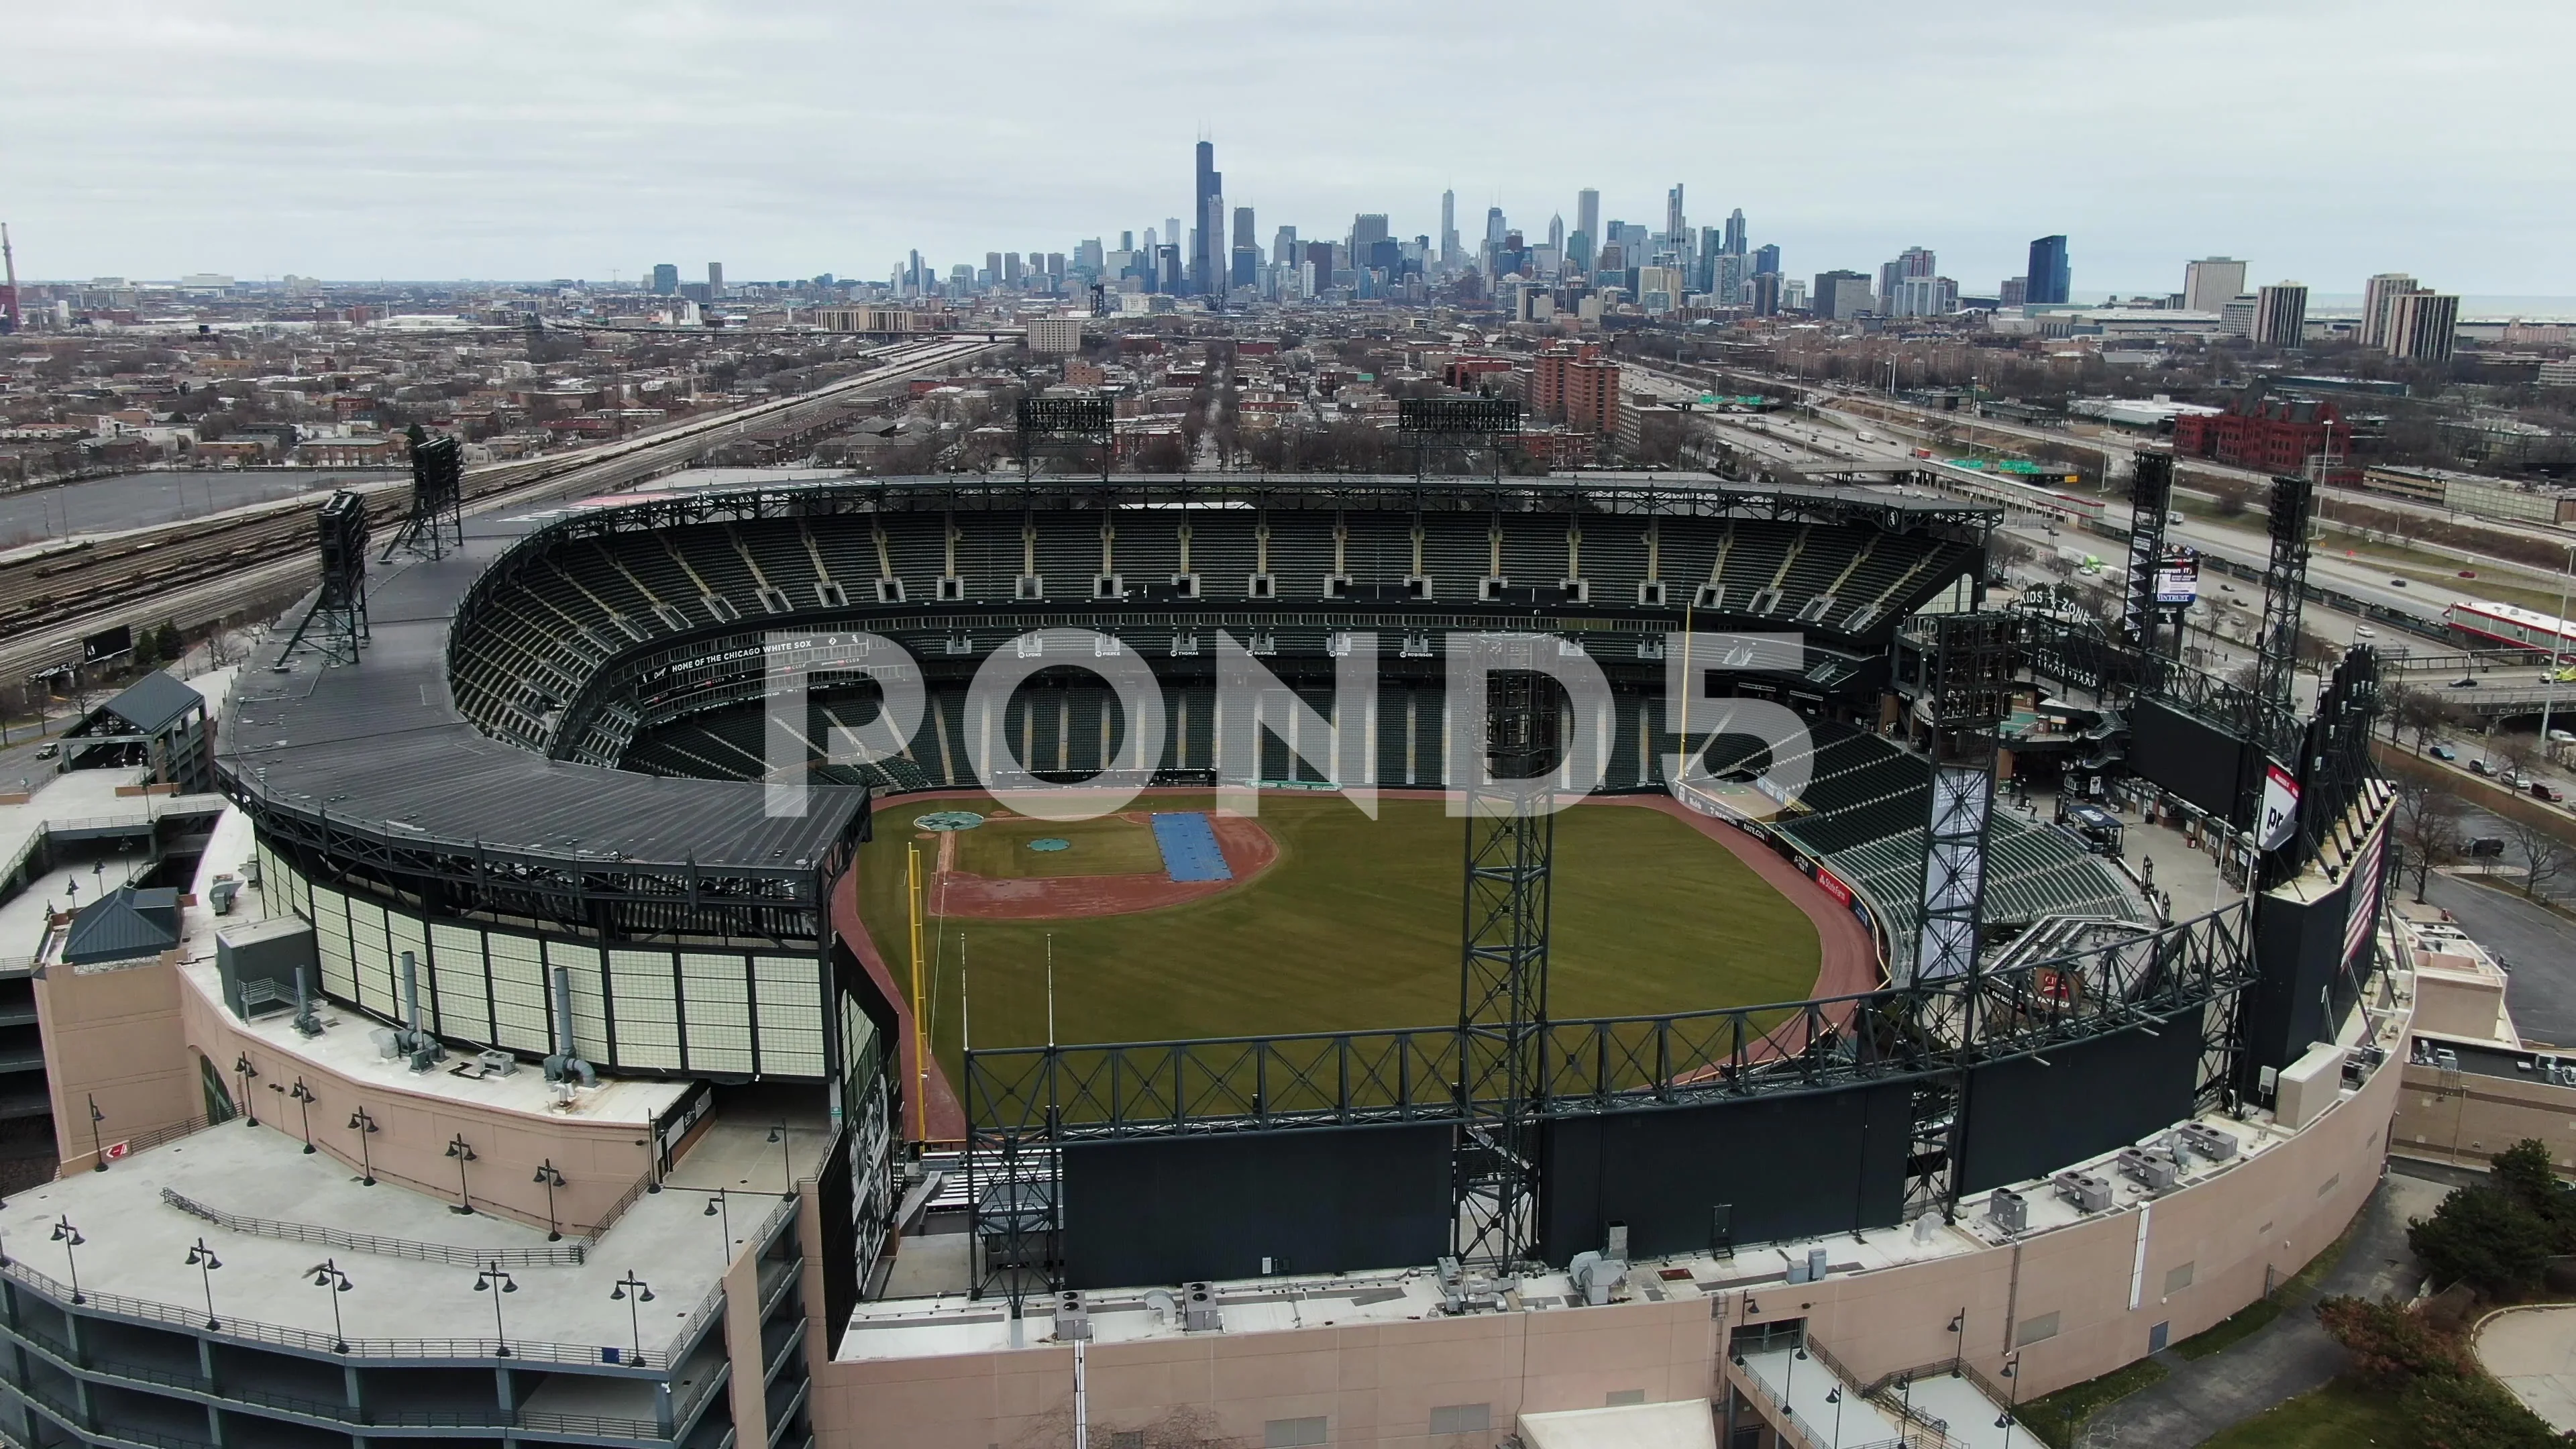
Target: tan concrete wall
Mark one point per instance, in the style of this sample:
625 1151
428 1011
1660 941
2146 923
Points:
2471 1118
1379 1383
600 1161
742 1344
115 1035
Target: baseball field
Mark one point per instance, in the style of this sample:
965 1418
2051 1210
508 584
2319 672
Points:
1346 923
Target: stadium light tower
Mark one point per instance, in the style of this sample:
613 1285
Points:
1502 988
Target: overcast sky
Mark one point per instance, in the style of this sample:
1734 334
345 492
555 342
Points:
2321 139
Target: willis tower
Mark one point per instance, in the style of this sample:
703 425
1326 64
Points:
1208 257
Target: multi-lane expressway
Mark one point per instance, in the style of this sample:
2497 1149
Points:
205 568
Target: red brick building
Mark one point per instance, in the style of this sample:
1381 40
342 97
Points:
2273 435
1574 384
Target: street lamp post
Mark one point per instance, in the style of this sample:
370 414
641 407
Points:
551 1180
326 1274
494 1281
2557 650
304 1100
1958 1339
719 1208
243 1070
786 1166
1834 1396
70 1237
203 1259
632 1291
463 1152
365 1126
2012 1406
97 1154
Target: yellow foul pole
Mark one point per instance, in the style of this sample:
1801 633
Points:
920 1016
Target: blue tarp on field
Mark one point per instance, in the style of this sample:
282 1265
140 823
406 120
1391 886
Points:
1188 842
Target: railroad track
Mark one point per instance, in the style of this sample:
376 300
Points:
193 572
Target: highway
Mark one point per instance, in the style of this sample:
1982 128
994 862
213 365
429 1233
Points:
203 569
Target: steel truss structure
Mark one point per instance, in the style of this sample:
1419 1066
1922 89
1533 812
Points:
2150 500
1970 663
1069 426
436 523
1502 970
1024 1103
336 624
2285 578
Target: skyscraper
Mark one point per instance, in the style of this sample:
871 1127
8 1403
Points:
2281 314
666 276
2421 325
2376 294
1676 225
2209 284
1449 231
1556 234
1283 250
1208 184
2050 277
715 279
1587 213
1367 230
1766 261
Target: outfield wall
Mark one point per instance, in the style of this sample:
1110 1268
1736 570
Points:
2078 1301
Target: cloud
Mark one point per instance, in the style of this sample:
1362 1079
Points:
2323 140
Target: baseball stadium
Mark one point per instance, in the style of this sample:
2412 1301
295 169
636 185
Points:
1091 947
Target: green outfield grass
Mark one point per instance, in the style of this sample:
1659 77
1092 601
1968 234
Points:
1108 846
1357 926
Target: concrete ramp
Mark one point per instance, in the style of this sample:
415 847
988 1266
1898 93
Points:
1684 1425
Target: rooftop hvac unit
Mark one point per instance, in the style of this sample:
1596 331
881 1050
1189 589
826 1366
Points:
1072 1319
1816 1265
1198 1308
496 1064
2153 1167
2089 1191
2008 1210
1595 1277
2208 1141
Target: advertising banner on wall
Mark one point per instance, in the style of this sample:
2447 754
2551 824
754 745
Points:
2280 807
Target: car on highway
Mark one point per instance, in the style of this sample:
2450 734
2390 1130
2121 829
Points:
47 752
2481 767
2543 790
2364 631
2444 753
2464 682
2397 583
2468 573
2486 847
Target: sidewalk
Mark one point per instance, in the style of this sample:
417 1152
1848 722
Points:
2290 1356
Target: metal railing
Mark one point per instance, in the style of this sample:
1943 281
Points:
713 1303
570 1254
1072 1093
602 1425
193 1320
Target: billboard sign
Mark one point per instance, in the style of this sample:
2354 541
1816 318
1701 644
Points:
2280 807
107 644
2178 578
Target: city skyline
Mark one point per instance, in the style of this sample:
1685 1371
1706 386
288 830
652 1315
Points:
262 144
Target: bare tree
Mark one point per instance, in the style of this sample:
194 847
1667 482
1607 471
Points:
2516 754
2544 856
2429 828
2424 712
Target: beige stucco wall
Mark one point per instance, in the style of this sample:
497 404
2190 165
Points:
1378 1383
600 1161
114 1034
2470 1118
